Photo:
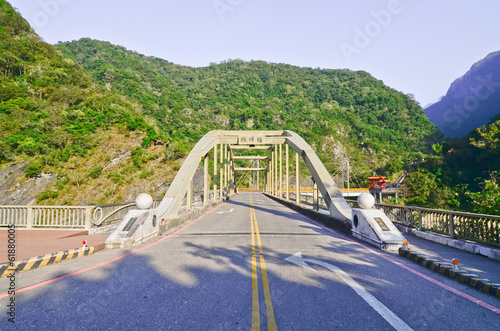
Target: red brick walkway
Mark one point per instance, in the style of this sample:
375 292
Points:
33 243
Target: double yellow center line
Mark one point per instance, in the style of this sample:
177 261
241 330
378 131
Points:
271 322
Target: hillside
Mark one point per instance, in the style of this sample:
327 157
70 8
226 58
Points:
61 135
90 122
336 111
471 101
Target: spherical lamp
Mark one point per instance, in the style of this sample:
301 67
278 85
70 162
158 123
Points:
144 201
366 200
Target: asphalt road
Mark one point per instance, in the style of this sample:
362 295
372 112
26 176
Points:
249 263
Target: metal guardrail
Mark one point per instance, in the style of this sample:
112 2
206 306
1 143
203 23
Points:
481 228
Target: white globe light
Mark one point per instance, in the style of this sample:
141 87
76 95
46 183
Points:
144 201
366 200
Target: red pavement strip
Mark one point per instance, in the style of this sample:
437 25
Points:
36 248
109 261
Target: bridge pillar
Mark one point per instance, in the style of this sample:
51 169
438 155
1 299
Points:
270 173
226 170
221 186
232 174
258 175
205 180
315 197
277 177
276 168
215 172
281 170
297 179
271 178
287 174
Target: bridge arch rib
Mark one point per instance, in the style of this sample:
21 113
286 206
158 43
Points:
231 140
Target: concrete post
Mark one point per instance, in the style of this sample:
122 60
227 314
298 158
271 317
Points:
258 176
226 170
273 165
215 172
271 179
452 226
205 180
287 174
88 217
315 197
281 171
297 179
276 172
221 186
268 174
232 175
29 218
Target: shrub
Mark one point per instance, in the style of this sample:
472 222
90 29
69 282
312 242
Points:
34 169
95 172
48 194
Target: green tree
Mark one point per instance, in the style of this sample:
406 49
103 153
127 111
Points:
488 200
418 187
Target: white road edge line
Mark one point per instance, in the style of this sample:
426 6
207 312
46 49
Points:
378 306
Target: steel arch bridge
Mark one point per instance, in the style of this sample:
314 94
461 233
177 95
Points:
224 145
271 142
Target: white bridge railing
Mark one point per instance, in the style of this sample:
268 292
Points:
484 229
72 217
79 217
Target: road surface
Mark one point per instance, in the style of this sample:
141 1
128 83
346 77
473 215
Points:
251 263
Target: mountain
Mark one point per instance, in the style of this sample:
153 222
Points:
337 111
471 101
88 122
60 129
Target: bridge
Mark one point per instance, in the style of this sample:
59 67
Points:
246 260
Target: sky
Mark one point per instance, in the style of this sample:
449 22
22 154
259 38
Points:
417 47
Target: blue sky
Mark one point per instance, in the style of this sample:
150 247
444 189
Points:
414 46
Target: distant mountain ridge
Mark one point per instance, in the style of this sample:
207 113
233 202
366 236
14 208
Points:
471 101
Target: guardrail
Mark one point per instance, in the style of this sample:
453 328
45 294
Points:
79 217
484 229
74 217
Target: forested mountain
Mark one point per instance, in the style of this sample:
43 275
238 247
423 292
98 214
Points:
336 111
471 101
121 130
53 118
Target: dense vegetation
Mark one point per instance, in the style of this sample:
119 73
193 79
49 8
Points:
58 104
54 118
336 111
49 106
462 174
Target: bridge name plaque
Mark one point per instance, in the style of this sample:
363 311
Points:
253 139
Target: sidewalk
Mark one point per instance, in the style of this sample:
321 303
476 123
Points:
477 271
33 243
482 266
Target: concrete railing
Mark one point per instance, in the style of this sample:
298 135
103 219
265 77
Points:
79 217
110 213
75 217
480 228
